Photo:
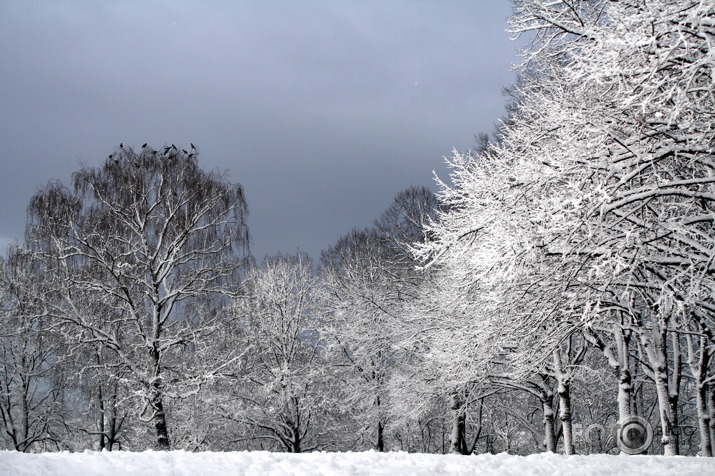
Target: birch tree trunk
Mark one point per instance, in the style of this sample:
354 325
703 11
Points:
564 389
623 372
655 349
698 360
549 433
618 363
546 396
703 419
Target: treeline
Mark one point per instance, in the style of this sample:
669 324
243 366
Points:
557 294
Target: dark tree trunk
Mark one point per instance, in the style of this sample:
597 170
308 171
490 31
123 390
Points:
380 443
458 443
711 411
674 391
102 433
380 437
114 421
162 430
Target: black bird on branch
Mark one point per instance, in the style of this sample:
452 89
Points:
144 146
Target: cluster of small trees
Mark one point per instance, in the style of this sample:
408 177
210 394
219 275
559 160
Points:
133 316
566 269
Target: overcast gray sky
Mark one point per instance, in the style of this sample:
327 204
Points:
322 110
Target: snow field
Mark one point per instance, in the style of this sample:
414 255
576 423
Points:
178 463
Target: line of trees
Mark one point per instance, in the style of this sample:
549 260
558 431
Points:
560 282
589 221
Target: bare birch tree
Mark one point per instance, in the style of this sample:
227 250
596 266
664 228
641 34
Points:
146 235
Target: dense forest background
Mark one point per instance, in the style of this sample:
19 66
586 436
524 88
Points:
558 287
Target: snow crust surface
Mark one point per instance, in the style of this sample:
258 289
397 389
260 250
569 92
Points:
367 463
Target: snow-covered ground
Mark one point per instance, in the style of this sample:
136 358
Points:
368 463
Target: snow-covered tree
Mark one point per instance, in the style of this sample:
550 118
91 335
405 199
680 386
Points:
32 382
369 278
281 393
636 81
133 247
596 206
358 305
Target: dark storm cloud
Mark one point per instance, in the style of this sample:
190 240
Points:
323 110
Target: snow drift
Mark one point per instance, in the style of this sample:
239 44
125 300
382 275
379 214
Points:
366 463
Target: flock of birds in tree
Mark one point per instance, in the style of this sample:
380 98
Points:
168 151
